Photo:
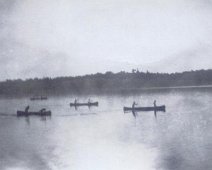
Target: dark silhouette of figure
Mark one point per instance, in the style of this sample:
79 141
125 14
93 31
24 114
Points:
75 101
154 103
42 110
133 105
27 109
155 112
133 109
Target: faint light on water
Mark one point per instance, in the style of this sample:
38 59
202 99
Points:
109 157
89 146
116 157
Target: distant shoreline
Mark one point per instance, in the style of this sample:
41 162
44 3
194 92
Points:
108 82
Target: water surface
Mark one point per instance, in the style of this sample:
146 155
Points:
102 138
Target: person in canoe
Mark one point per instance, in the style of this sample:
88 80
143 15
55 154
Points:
154 103
27 109
155 112
75 101
42 110
133 109
75 104
133 105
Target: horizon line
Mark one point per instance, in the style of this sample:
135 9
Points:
140 71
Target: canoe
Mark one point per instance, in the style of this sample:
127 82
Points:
38 98
85 104
23 113
157 108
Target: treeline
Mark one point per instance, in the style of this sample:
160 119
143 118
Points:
107 82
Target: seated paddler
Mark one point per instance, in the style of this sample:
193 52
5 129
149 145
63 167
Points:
27 109
42 110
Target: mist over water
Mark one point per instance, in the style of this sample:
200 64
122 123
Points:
106 138
76 36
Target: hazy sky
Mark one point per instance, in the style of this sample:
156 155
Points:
73 37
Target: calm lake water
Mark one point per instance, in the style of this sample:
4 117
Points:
104 138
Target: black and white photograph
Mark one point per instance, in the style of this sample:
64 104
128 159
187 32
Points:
105 84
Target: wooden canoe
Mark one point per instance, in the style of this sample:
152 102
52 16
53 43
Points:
39 98
23 113
85 104
157 108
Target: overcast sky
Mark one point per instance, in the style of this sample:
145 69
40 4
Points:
40 38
